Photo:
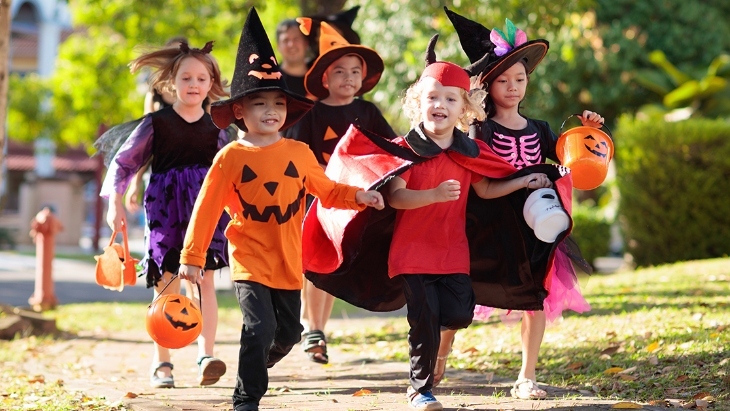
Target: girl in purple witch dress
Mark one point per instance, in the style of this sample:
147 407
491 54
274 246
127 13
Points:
182 141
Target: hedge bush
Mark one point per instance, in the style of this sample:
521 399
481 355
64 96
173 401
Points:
592 231
674 180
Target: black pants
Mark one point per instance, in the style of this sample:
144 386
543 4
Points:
434 301
270 329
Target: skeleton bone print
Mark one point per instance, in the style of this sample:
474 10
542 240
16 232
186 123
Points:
519 151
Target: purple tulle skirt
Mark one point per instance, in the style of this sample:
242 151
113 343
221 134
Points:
563 292
168 202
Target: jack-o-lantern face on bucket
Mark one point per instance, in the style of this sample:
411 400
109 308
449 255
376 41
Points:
596 146
276 184
173 321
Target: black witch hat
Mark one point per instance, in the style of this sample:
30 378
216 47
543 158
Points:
257 70
491 52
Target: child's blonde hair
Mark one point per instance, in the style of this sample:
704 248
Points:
473 103
166 62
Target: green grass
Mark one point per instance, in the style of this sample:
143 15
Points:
668 326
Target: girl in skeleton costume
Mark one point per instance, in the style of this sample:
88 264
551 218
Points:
182 141
504 61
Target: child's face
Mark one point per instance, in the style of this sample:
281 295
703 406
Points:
441 106
343 78
292 45
192 82
264 112
509 88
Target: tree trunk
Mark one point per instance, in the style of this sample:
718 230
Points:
4 75
320 7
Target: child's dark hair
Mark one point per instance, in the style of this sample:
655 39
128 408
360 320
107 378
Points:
166 61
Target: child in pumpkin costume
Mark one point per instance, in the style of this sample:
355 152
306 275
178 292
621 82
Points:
341 72
503 61
261 180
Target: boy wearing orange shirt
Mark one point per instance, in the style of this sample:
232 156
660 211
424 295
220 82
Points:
261 180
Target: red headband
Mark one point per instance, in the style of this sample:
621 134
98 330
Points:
448 74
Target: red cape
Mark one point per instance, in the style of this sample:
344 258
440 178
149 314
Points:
345 252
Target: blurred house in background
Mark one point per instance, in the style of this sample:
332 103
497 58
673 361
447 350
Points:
39 174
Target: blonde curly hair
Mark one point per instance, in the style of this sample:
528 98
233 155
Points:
473 103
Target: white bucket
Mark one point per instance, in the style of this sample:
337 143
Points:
544 214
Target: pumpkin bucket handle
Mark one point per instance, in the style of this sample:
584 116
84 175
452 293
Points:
560 132
174 276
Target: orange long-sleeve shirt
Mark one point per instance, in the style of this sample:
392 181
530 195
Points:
263 189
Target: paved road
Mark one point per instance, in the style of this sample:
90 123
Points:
74 281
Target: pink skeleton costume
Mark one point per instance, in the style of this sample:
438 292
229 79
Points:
491 53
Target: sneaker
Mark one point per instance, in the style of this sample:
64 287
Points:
425 401
210 371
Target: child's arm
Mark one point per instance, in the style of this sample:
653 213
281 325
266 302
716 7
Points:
488 188
402 198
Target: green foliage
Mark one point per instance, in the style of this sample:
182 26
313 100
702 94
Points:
707 95
673 179
595 56
591 230
29 113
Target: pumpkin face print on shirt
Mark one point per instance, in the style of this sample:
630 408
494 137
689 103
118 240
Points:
270 192
519 151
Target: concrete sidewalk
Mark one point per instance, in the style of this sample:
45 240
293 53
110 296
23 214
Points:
115 367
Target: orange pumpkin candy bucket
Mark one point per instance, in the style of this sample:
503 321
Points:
587 151
173 320
116 268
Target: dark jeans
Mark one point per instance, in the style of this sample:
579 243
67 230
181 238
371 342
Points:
270 329
434 301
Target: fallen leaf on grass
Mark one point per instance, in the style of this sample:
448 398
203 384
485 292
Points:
701 395
38 378
625 405
575 366
702 404
335 401
130 395
627 377
362 392
654 360
222 404
613 370
628 370
610 350
284 389
682 378
471 350
653 346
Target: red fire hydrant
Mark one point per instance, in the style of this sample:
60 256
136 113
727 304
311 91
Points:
43 229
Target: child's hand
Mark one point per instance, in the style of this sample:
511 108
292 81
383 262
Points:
191 273
537 180
115 216
591 119
370 198
449 190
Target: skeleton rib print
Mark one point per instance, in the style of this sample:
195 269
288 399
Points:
519 151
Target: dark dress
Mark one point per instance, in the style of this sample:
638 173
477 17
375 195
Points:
181 154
